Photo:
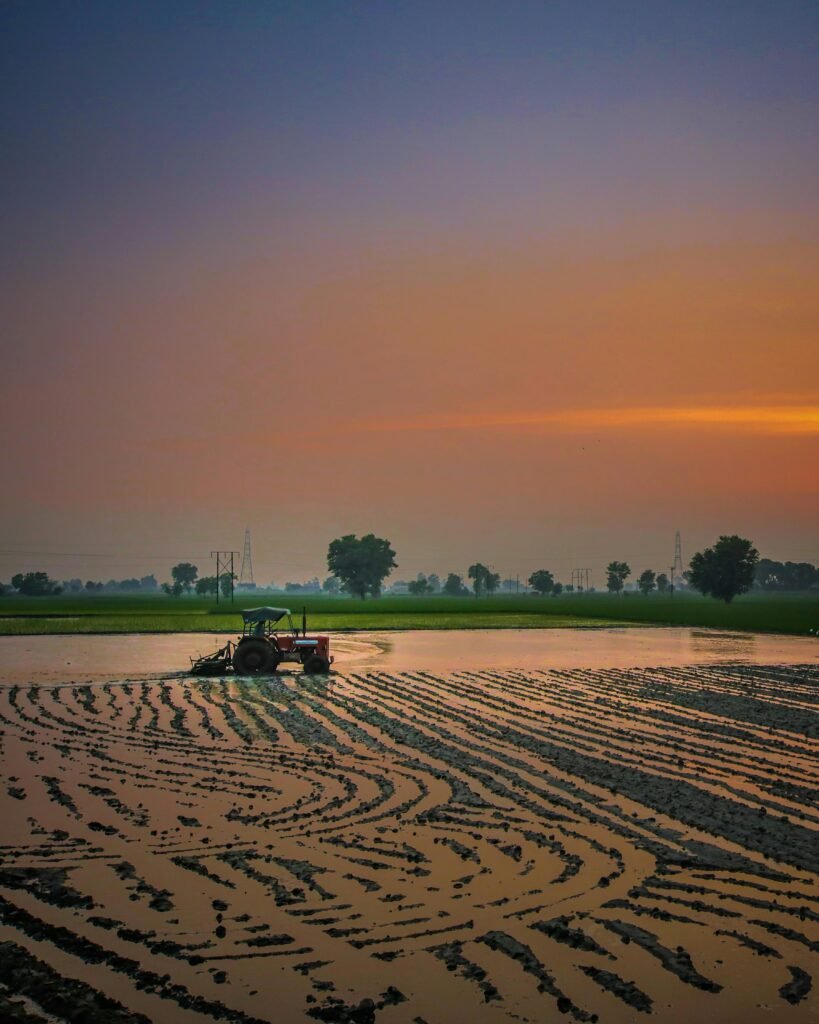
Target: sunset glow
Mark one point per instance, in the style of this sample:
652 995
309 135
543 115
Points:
491 283
760 419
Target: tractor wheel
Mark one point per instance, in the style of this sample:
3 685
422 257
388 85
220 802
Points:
316 665
255 658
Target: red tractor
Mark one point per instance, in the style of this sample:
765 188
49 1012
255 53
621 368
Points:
262 647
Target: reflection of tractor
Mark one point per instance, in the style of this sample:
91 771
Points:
262 647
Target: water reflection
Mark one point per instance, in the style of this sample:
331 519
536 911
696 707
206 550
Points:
58 659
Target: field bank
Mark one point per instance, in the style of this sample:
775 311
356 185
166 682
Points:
783 613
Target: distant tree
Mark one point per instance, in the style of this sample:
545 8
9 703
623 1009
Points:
557 589
185 574
148 583
173 589
484 581
662 582
419 586
454 586
569 588
647 581
93 587
75 586
800 575
726 569
616 575
127 586
330 586
361 564
542 582
35 584
226 580
434 581
206 585
771 575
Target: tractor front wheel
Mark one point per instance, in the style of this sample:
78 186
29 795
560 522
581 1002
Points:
255 658
316 665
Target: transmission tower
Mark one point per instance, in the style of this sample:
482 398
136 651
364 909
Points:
224 569
246 575
677 569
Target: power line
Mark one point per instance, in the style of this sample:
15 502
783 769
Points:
8 553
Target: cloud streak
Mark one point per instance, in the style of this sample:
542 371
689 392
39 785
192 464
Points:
746 419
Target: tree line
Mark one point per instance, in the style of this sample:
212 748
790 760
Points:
359 566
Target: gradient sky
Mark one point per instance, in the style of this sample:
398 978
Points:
526 283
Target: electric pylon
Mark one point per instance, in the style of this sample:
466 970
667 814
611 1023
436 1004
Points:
677 569
246 575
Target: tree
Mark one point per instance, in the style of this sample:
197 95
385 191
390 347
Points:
35 584
647 581
206 585
542 582
172 589
93 587
772 575
616 575
557 589
662 583
330 586
419 586
434 581
226 581
185 574
483 579
454 586
362 564
726 569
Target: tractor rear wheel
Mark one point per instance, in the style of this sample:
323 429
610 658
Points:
316 665
255 658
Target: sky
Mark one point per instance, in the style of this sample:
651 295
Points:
532 284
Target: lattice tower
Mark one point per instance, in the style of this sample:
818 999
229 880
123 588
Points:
246 575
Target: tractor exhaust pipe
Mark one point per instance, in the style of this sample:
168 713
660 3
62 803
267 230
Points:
304 621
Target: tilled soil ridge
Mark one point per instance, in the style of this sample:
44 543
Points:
413 847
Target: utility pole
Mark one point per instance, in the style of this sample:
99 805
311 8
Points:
224 563
582 577
671 581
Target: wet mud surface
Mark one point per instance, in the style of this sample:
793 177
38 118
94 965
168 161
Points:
410 846
97 658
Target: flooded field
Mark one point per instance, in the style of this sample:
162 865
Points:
402 843
83 658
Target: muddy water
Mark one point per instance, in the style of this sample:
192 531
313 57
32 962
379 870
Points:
476 847
51 659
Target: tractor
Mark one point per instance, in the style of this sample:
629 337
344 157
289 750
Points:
263 646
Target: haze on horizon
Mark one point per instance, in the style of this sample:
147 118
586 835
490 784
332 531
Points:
530 284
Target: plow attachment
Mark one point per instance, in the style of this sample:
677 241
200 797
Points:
216 664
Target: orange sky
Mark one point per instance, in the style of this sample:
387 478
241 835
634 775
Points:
521 408
536 324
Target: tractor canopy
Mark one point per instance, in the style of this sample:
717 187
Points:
251 615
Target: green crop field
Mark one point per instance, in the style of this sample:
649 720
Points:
781 613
